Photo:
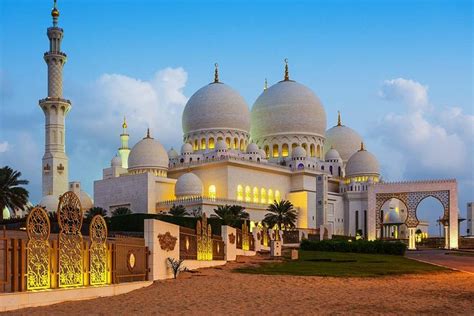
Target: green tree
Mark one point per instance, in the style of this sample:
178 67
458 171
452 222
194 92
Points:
121 211
230 215
12 194
197 212
280 214
93 211
178 211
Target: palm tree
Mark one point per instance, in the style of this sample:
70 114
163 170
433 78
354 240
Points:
93 211
178 211
197 212
121 211
12 194
230 215
281 214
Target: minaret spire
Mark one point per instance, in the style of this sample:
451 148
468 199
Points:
339 119
216 73
265 86
124 150
287 75
362 146
55 108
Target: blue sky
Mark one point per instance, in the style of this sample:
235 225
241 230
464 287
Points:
399 71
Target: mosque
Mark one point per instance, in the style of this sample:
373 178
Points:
281 149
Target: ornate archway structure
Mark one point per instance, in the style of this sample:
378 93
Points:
412 193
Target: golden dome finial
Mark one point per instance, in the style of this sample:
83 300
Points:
148 133
265 85
287 75
55 14
216 73
339 119
124 125
362 146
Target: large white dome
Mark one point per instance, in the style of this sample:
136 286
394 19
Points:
50 203
344 139
148 154
216 106
362 163
287 107
188 184
86 201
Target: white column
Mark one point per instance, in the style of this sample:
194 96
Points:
411 238
229 236
446 237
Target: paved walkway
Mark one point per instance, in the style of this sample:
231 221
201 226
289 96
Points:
452 259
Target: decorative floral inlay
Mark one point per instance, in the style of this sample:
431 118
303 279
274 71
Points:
232 238
167 242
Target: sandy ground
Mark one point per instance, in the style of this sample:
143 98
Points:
217 291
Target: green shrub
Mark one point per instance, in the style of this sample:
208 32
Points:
358 246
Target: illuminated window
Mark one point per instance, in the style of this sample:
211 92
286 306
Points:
275 151
263 196
203 143
196 145
293 146
255 195
240 193
236 143
227 142
242 145
219 138
318 151
284 150
277 196
267 151
212 191
311 150
270 196
211 143
305 147
248 194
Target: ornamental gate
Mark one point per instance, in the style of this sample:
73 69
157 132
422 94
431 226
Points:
411 194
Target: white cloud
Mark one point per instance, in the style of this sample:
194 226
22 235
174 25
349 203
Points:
423 143
4 146
405 90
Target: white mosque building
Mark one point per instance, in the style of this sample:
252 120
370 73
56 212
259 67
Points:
281 149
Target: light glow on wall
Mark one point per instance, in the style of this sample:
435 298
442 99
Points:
212 191
240 193
255 195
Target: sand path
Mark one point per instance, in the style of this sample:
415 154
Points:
219 291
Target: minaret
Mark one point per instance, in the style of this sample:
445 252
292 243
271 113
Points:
124 151
55 108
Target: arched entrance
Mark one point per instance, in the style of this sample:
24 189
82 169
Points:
432 226
411 194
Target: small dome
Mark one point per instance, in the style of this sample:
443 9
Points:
188 184
286 108
187 148
86 201
116 162
344 139
172 153
263 153
298 152
216 106
221 145
393 217
332 154
50 203
252 148
148 154
362 163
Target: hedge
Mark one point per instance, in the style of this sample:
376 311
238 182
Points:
359 246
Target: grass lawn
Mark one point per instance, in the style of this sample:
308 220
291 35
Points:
339 264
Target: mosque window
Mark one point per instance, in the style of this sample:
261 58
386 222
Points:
242 144
318 151
277 196
267 151
270 196
248 194
293 146
330 169
203 143
211 143
305 147
275 151
255 195
236 143
311 150
212 191
227 142
284 150
263 196
339 171
219 138
196 145
240 193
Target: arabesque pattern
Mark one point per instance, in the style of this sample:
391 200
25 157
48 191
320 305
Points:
98 251
204 239
38 263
